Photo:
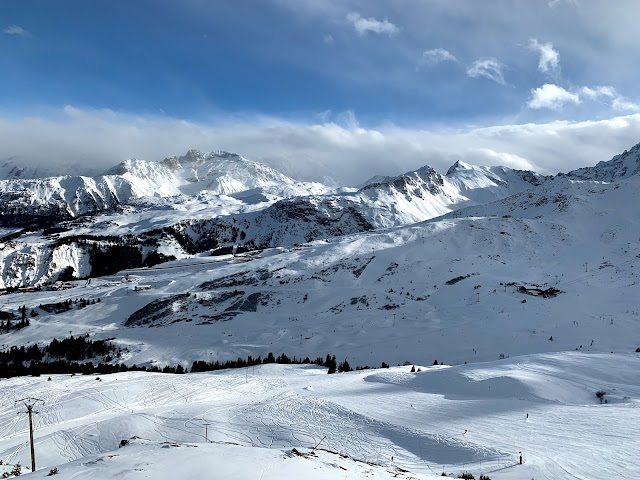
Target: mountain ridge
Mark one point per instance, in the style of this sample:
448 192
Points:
143 205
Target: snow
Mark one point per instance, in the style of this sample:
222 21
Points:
205 195
414 268
341 296
625 165
257 415
486 184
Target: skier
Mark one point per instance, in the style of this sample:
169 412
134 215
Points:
520 458
527 416
465 433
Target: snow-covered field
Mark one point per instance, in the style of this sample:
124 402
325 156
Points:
256 415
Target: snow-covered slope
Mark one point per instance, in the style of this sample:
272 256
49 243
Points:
625 165
485 184
264 422
55 198
225 173
451 285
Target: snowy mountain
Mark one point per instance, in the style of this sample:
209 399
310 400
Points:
224 173
51 199
16 168
524 287
485 184
625 165
152 211
577 237
238 202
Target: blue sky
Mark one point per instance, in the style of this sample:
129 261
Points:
286 81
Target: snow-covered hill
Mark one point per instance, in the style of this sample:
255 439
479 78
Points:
450 285
264 422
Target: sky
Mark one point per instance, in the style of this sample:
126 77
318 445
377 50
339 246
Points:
346 88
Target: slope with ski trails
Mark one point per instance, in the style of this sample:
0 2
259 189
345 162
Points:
471 417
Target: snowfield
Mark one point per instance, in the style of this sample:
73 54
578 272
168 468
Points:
362 419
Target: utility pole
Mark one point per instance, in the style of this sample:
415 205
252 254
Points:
394 319
206 432
585 267
29 403
477 297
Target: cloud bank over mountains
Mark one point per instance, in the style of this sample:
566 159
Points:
346 87
338 145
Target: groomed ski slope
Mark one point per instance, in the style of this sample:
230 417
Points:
419 419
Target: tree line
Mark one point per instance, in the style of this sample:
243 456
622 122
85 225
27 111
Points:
65 357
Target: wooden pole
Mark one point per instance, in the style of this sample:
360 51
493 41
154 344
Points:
33 451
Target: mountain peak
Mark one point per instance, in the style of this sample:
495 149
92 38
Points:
424 177
459 165
195 157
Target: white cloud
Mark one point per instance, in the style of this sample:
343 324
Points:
618 102
364 25
489 68
555 3
621 103
327 38
336 145
594 93
552 97
437 55
16 30
549 58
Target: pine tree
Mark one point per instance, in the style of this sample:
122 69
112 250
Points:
332 365
344 366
